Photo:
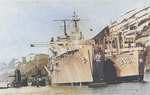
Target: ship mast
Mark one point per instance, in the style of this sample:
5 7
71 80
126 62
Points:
64 20
75 19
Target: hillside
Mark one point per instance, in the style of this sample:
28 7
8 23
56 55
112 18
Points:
136 21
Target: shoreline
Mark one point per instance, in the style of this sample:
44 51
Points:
127 88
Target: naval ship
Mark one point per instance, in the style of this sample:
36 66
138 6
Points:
112 55
72 57
126 43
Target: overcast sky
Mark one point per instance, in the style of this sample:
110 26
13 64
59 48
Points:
23 22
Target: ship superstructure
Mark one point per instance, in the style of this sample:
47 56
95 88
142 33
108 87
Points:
69 43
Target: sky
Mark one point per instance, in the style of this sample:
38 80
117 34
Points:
24 22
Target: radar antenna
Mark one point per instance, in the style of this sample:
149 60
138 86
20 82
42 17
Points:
75 19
